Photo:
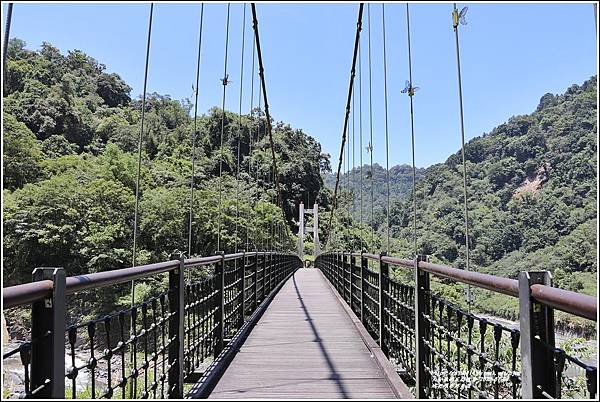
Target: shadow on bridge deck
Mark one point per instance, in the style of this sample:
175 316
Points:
304 346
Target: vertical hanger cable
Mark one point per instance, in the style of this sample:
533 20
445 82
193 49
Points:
455 21
370 148
387 164
412 131
225 81
139 161
237 172
195 133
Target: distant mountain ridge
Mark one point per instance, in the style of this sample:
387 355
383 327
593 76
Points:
532 196
400 186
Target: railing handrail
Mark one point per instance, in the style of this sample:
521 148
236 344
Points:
26 293
106 278
370 256
202 261
565 300
571 302
403 262
494 283
416 327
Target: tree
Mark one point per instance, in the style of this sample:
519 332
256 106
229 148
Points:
21 154
113 90
57 145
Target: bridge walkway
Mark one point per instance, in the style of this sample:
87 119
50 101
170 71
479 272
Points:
304 346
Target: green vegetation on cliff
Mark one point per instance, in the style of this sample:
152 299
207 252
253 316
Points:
70 160
532 198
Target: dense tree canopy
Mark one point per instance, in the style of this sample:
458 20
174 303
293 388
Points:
532 197
71 133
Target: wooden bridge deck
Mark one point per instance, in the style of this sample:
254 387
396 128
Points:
304 346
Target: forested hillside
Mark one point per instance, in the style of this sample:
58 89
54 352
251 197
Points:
70 160
532 197
400 188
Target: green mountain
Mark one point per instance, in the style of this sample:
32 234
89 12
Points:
531 196
532 191
400 188
70 160
69 166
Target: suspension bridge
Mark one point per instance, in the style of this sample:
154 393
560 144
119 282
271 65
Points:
265 324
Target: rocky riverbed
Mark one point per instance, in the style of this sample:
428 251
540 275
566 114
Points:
14 374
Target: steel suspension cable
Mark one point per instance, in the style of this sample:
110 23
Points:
225 81
351 207
347 157
257 162
268 127
250 130
342 185
412 131
237 173
274 202
347 116
195 134
139 161
342 189
455 22
270 238
139 168
275 228
387 164
596 18
360 132
371 126
6 36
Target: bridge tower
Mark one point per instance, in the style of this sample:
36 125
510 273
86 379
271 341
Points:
302 229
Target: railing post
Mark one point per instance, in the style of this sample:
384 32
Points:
48 352
337 271
176 330
331 265
334 269
422 287
343 275
349 278
270 271
219 311
264 276
352 265
267 269
277 267
242 317
255 283
537 339
344 291
342 266
384 273
363 266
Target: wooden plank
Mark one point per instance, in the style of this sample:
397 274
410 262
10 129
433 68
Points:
400 389
304 346
214 371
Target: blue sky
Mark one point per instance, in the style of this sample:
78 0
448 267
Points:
511 55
